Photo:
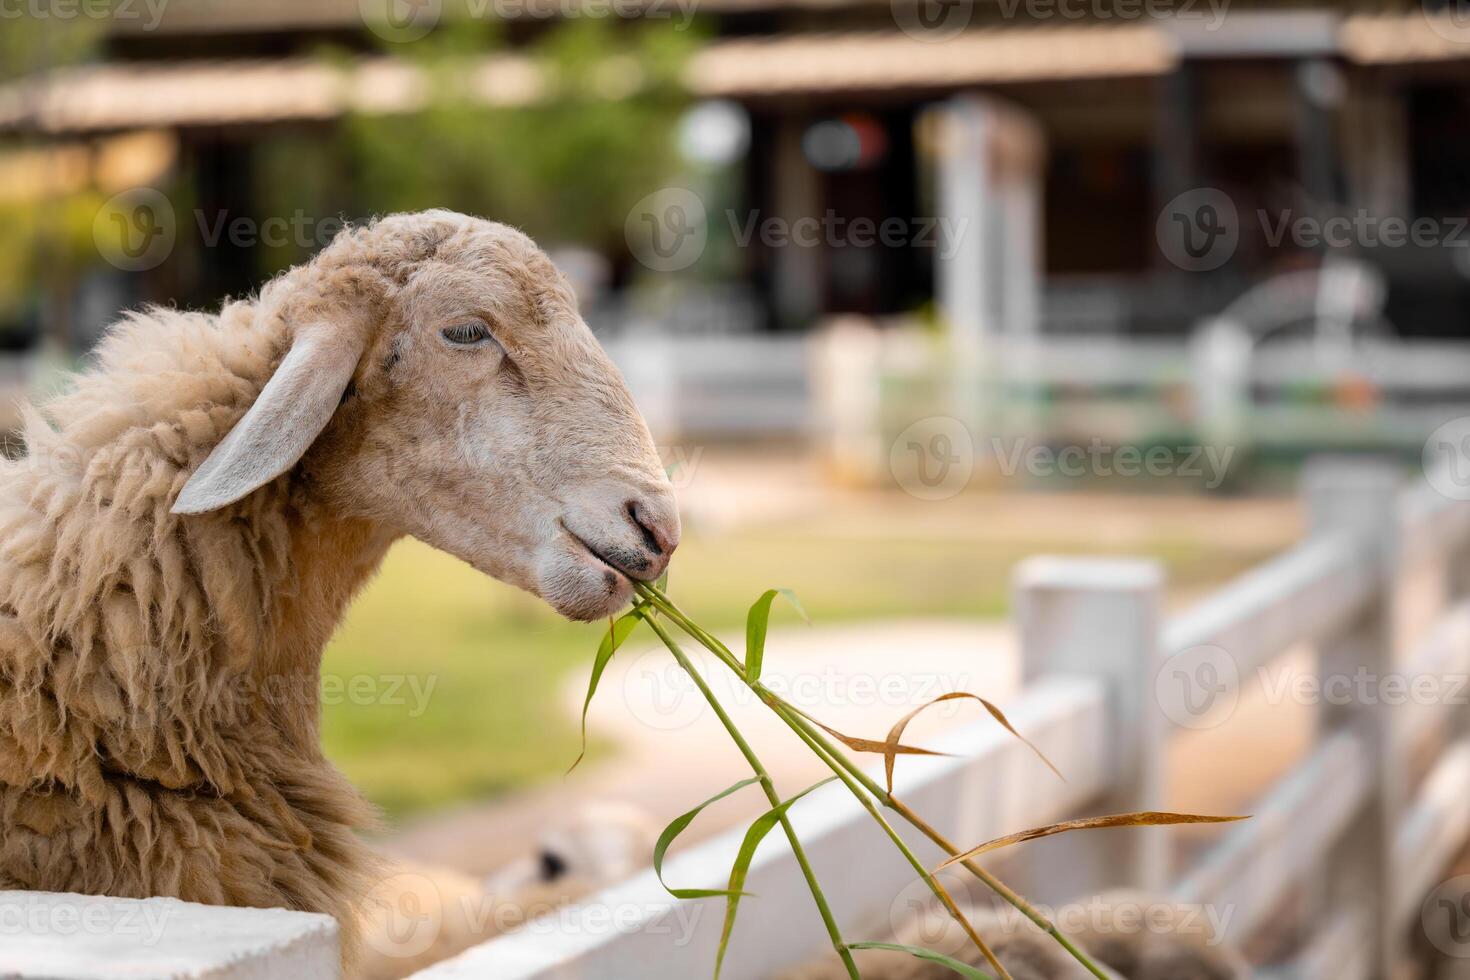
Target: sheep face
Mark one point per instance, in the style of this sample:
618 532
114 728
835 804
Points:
469 406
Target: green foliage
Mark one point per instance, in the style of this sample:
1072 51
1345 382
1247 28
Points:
756 833
567 165
31 43
757 622
617 634
675 828
41 237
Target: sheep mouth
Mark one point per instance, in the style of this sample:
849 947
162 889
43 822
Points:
629 565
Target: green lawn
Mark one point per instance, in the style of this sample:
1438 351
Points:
442 684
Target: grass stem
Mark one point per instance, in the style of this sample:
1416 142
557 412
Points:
769 788
836 759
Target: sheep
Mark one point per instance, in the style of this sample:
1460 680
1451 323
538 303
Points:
191 519
1135 936
423 914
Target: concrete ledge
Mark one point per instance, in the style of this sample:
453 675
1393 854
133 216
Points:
52 936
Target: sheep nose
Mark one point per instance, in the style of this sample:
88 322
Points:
659 526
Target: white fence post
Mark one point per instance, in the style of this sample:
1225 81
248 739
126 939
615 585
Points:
1100 618
1361 497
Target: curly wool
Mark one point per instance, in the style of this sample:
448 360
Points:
159 674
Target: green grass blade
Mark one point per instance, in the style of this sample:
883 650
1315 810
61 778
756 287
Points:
757 622
963 969
617 633
675 829
753 838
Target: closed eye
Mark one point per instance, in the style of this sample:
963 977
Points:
471 333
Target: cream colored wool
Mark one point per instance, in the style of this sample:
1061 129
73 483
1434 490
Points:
159 679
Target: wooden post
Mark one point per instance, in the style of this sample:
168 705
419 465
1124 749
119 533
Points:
1361 497
1100 618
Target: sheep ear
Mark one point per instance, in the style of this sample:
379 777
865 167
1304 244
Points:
291 411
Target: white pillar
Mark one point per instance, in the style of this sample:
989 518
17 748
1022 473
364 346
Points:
1101 618
963 278
1361 497
987 281
1220 355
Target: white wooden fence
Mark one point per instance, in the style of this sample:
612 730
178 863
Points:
1377 591
1380 394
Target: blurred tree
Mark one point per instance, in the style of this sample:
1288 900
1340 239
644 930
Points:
45 226
566 166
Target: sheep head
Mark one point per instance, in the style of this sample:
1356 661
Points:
440 382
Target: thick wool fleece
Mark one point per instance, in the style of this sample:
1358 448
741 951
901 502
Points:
159 674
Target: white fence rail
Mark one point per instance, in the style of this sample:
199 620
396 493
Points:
1378 394
1344 824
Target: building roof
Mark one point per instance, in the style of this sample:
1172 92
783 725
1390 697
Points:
212 93
817 63
123 96
1404 39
